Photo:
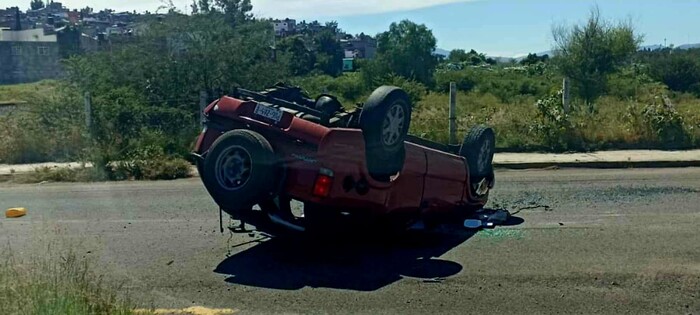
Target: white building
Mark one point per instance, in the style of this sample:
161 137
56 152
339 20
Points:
283 27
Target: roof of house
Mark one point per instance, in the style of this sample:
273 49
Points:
31 35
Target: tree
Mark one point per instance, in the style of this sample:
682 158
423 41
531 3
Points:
301 58
457 55
533 59
194 7
236 11
679 70
588 53
407 50
472 57
329 52
204 6
36 4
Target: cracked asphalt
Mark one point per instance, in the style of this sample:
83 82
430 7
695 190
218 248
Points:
592 241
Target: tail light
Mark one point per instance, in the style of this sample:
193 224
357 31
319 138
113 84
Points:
324 181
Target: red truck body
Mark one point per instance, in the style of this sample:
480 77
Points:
431 181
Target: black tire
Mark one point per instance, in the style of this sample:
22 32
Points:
200 167
239 171
478 148
328 105
382 170
385 120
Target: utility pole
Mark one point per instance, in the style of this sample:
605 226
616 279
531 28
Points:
453 114
565 98
203 95
88 113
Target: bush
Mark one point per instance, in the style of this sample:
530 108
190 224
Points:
348 87
679 71
415 90
152 169
665 125
555 126
464 80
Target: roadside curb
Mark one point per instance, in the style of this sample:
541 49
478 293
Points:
596 165
601 160
504 160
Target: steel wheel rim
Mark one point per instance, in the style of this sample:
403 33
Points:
393 125
234 167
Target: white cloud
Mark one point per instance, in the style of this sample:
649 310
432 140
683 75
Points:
333 8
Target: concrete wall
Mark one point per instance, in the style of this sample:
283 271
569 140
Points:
22 62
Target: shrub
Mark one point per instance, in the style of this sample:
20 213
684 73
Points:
463 79
665 125
165 168
679 71
348 87
66 174
555 125
150 163
415 90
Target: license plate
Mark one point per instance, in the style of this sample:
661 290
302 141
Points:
271 113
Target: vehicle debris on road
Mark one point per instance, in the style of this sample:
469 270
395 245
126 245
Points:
15 213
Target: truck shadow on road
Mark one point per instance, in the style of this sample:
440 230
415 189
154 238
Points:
360 264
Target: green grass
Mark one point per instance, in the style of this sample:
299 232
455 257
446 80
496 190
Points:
27 92
58 282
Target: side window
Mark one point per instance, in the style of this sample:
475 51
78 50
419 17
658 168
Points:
16 50
43 50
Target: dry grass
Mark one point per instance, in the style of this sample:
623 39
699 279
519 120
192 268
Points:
27 92
511 121
58 282
612 126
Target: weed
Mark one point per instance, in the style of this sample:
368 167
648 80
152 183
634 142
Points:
57 282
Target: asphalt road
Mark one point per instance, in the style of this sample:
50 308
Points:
592 241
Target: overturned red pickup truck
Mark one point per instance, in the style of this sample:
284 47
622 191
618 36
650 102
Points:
272 147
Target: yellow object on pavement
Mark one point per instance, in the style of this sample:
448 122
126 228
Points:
15 212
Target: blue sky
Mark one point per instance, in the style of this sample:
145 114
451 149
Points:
496 27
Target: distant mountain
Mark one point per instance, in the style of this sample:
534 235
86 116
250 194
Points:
651 47
442 52
689 46
657 47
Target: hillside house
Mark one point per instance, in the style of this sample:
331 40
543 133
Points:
361 47
284 27
28 56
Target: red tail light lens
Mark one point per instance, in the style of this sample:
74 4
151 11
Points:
322 186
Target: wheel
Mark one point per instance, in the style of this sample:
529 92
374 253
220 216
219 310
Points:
239 171
382 170
328 105
478 148
385 120
386 117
